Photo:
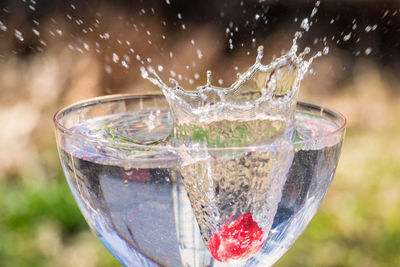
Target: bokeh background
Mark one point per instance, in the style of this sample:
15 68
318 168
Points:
53 53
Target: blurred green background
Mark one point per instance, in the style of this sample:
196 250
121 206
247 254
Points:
358 223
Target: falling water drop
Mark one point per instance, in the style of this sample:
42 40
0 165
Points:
36 32
115 58
199 54
18 35
347 37
209 74
260 53
314 11
305 25
3 27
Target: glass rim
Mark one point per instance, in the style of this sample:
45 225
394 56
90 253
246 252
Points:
117 97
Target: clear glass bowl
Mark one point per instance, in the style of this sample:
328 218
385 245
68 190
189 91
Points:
161 204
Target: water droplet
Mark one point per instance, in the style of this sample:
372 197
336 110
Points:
108 69
347 37
209 74
105 36
220 81
115 58
168 2
314 11
196 76
260 53
160 68
257 16
18 35
125 64
305 25
385 14
199 54
144 72
2 26
179 16
36 32
368 51
326 50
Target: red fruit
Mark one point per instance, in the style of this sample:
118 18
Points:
237 240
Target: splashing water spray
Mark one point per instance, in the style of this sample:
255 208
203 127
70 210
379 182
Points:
258 108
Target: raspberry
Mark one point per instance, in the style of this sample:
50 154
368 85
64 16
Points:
237 240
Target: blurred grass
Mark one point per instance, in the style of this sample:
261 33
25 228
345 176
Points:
41 225
358 223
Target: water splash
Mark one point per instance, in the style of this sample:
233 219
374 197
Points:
262 91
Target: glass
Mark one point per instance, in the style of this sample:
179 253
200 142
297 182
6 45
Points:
152 203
